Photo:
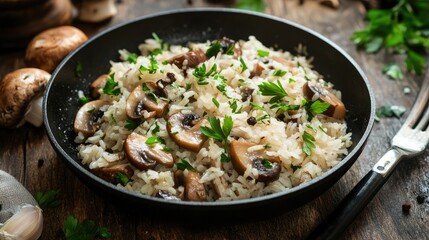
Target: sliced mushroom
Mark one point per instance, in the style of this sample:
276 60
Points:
87 117
110 173
189 60
246 93
257 70
184 129
49 47
166 195
98 84
138 101
194 190
336 109
145 157
268 167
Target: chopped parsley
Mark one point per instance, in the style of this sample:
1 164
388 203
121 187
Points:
389 111
84 100
156 128
308 143
272 89
316 107
156 51
121 178
284 107
215 102
49 199
152 68
291 80
201 73
294 168
188 86
154 140
111 87
233 105
262 53
132 124
267 164
112 117
132 58
219 133
167 149
74 230
279 73
393 71
183 164
214 49
78 69
243 65
253 5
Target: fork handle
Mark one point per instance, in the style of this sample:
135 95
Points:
358 198
350 207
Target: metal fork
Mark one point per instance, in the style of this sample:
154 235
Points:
411 140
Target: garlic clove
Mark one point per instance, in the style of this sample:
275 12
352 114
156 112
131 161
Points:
25 224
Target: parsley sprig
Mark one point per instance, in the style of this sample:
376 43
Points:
219 133
403 28
316 107
153 66
74 230
272 89
201 73
49 199
308 143
183 164
111 87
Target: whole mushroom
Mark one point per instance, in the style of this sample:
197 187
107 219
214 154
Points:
49 47
21 95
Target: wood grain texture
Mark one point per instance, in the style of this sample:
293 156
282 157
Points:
26 153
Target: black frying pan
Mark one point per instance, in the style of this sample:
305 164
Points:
178 27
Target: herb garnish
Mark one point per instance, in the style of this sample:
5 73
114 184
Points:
84 100
121 178
308 143
154 139
243 65
389 111
215 102
49 199
156 128
294 168
272 89
253 5
183 164
132 124
78 69
262 53
132 58
74 230
219 133
267 164
279 73
111 87
403 28
201 74
214 49
153 66
316 107
393 71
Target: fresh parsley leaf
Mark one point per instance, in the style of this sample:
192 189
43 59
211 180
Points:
272 89
167 149
415 62
284 107
294 168
152 68
49 199
393 71
202 74
111 87
74 230
154 139
267 164
84 100
224 157
155 52
319 107
262 53
389 111
218 132
252 5
279 73
132 124
132 58
121 178
215 102
183 164
156 128
243 65
308 143
188 86
78 69
214 49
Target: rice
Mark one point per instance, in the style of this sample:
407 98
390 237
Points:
234 90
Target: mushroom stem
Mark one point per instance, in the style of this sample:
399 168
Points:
34 114
95 11
25 224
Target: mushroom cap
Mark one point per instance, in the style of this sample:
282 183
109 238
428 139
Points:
49 47
17 89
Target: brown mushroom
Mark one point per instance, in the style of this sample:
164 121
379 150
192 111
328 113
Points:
194 190
257 70
21 94
268 167
86 121
97 84
184 129
138 100
110 173
143 156
336 109
49 47
189 60
95 11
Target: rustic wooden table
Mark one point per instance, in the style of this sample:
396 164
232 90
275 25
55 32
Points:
26 153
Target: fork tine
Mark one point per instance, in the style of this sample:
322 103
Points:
423 122
420 104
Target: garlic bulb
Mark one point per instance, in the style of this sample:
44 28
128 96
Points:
25 224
